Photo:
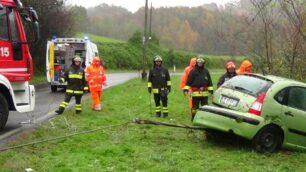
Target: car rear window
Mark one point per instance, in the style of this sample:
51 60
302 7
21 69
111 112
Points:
251 85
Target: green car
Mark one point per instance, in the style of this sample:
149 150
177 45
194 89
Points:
269 110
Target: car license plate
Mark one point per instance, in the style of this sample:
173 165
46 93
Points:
228 101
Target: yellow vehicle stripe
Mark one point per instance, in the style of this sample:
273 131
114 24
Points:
51 61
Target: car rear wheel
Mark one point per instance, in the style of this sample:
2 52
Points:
4 111
268 140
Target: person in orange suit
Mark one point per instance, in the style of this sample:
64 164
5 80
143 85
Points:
185 75
245 67
96 78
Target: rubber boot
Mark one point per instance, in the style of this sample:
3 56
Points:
97 108
158 114
192 117
165 115
60 110
193 113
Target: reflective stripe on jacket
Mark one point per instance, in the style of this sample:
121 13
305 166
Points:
159 78
200 81
186 73
75 78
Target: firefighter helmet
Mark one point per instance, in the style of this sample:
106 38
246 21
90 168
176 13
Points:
200 60
158 58
77 58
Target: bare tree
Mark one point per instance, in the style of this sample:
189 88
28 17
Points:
296 38
266 18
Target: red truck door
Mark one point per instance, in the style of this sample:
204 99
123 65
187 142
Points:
15 61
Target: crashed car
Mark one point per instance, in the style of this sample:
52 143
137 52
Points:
269 110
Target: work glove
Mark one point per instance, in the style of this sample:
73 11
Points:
169 89
149 90
61 80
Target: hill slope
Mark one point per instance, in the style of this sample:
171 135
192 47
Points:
118 54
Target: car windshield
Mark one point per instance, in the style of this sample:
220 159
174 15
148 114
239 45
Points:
251 85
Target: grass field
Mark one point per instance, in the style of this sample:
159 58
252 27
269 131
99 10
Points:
96 38
39 78
134 147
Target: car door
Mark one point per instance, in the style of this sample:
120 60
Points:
294 113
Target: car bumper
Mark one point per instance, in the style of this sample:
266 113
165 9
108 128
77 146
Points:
58 83
242 124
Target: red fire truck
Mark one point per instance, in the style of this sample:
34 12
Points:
16 67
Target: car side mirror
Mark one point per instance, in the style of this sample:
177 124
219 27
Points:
33 15
30 16
18 4
36 31
35 24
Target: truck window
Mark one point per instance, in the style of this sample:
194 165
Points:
15 36
3 25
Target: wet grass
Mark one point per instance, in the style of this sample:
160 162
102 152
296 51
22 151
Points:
134 147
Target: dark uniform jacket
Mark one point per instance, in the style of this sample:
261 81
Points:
75 77
199 77
225 77
159 78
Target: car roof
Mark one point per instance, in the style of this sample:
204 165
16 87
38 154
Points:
275 79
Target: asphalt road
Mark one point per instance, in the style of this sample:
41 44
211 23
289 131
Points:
46 103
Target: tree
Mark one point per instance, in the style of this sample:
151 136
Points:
287 33
187 37
295 36
266 17
136 39
80 18
54 19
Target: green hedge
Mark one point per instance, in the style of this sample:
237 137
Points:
128 56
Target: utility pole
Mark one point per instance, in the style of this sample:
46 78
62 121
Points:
150 27
145 40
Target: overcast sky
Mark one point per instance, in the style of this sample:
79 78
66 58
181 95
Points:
133 5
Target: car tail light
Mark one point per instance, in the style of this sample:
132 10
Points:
256 106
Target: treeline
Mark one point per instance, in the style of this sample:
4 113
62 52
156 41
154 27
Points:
270 32
129 55
54 19
190 29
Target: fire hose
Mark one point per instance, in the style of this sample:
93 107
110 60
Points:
135 120
145 121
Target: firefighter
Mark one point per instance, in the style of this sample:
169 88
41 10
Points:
185 76
230 72
199 81
159 84
96 78
245 67
76 84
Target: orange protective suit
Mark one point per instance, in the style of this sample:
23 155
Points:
185 76
245 67
96 78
